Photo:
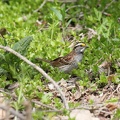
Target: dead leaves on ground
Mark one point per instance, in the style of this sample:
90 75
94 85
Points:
100 104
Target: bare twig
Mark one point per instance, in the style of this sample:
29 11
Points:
41 104
43 3
64 1
40 6
75 6
34 101
87 107
11 110
7 111
38 69
107 5
28 109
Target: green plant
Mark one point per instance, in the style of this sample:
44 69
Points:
117 115
10 64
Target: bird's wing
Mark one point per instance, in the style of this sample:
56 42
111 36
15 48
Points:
66 60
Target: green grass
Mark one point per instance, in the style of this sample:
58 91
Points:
19 18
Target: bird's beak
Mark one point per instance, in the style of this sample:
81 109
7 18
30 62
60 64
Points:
82 50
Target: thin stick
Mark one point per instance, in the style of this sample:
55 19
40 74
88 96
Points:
6 48
44 105
28 110
11 110
64 1
107 5
41 6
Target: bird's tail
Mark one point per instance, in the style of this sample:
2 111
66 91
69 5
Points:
41 59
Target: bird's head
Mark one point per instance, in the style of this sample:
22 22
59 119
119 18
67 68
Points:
80 47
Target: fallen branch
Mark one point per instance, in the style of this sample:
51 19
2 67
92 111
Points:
28 110
44 105
44 2
11 110
38 69
107 5
64 1
41 6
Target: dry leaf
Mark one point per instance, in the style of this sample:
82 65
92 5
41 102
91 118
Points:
111 77
77 95
105 65
60 118
111 107
51 86
91 33
82 115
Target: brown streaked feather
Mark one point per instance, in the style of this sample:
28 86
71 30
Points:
57 62
60 61
66 60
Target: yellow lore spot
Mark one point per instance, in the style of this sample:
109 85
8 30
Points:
82 44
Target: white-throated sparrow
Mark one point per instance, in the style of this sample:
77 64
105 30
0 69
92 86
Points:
70 61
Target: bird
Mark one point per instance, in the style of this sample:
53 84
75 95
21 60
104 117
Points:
70 61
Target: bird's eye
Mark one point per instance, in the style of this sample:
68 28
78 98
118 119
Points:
81 45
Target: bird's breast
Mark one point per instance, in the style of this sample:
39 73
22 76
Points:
78 58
